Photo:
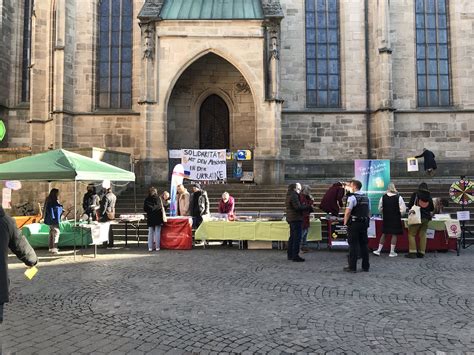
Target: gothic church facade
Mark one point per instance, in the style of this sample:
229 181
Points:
307 85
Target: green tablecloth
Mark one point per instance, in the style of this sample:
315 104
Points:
38 235
271 231
438 225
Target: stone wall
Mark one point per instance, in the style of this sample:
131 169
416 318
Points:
449 135
114 131
210 75
323 137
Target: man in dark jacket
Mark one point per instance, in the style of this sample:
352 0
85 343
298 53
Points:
199 205
429 161
294 217
11 239
90 202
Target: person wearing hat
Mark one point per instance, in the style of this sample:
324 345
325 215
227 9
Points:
199 205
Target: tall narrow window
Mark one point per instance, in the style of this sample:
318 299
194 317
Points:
322 53
26 53
115 54
432 53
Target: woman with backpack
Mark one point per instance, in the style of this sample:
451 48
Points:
392 206
421 198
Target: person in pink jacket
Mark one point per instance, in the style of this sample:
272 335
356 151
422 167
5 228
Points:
226 205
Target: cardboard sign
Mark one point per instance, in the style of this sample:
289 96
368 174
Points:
430 234
463 215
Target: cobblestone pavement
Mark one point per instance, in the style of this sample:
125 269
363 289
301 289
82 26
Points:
229 301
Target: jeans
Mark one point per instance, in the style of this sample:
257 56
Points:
304 237
53 236
197 222
154 235
358 240
295 239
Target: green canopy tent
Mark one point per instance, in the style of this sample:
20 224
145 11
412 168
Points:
62 165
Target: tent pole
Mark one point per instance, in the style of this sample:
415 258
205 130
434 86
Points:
75 214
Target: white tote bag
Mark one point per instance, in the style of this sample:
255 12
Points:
414 218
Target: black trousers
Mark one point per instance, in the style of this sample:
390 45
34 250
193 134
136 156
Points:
295 239
358 240
1 317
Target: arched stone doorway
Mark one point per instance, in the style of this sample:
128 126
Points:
210 90
214 123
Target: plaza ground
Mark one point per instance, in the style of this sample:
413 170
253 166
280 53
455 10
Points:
220 300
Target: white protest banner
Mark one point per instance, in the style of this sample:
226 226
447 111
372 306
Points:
205 165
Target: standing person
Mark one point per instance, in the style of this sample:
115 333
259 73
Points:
421 198
331 202
294 217
392 206
200 205
306 200
429 161
357 218
90 202
107 212
226 206
153 206
183 200
11 239
52 216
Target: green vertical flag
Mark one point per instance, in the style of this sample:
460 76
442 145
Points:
3 130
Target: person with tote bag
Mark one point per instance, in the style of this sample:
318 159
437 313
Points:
420 200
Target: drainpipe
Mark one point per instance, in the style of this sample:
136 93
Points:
367 80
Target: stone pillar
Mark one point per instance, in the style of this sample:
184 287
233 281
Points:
153 163
268 164
42 127
382 119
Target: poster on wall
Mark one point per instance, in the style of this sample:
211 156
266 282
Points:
205 165
412 164
375 177
6 198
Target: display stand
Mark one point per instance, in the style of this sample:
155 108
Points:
462 192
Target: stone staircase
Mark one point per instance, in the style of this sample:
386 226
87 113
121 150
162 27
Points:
270 198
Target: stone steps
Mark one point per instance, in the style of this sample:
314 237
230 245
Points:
270 198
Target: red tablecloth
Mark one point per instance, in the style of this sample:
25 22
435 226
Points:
440 241
176 233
